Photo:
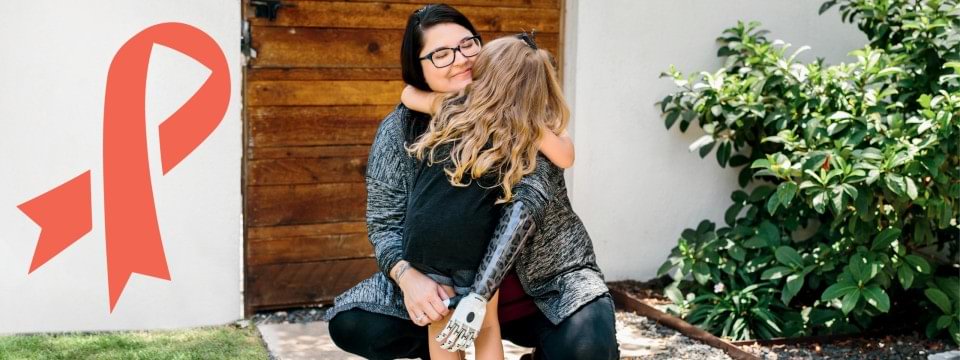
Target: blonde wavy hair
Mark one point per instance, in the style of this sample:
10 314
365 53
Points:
515 95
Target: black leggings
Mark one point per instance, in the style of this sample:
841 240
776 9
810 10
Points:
588 333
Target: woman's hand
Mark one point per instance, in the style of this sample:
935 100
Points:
422 297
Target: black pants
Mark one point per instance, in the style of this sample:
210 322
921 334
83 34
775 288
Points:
588 333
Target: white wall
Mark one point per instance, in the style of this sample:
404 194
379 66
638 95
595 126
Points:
54 57
635 184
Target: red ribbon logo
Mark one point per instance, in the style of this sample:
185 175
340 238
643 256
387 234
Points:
130 218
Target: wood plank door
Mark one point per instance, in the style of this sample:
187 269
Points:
320 78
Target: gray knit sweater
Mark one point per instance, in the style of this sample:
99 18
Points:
557 267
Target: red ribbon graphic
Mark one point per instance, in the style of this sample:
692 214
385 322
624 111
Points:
130 218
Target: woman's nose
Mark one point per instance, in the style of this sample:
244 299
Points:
461 60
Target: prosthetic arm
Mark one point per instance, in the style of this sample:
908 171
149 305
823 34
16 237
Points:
516 225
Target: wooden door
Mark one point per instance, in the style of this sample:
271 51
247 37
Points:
323 75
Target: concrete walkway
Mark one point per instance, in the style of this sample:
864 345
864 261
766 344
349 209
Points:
312 341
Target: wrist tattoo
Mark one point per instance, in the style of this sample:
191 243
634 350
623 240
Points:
403 268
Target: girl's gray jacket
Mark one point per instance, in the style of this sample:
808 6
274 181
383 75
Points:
557 267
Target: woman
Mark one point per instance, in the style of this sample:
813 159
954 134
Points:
539 236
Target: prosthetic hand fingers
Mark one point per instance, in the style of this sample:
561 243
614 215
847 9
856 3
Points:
447 331
452 340
466 340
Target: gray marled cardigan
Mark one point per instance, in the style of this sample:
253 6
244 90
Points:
557 268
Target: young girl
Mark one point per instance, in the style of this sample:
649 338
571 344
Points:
479 144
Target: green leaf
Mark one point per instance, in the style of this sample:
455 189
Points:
701 273
820 317
737 253
701 142
885 238
772 204
674 294
849 301
911 188
896 183
775 272
788 256
769 233
786 192
840 115
943 321
815 161
730 216
767 316
820 201
793 286
905 273
755 242
723 153
949 285
889 71
837 200
760 163
940 299
738 160
861 268
954 331
877 297
671 118
918 263
665 268
666 101
837 290
704 150
760 192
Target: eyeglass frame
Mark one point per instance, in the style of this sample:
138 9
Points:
429 56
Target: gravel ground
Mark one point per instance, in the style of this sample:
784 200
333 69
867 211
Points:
913 346
289 316
665 343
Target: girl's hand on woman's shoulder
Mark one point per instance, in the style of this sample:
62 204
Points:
558 148
419 100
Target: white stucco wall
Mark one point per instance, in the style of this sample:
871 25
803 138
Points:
54 58
635 184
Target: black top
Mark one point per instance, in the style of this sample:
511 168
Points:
449 227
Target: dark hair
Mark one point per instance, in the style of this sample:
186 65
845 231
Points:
419 21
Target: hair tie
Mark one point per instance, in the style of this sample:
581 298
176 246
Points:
528 38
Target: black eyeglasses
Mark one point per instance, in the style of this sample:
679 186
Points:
444 57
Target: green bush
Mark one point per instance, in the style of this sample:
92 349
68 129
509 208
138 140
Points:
850 182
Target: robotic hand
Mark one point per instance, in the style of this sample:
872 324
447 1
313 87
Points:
464 325
515 226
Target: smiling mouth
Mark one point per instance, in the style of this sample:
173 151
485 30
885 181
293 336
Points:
462 72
